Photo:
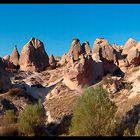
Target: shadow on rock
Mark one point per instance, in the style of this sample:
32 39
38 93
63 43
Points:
130 120
56 129
6 105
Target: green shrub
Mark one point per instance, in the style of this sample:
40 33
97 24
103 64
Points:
31 119
93 114
9 117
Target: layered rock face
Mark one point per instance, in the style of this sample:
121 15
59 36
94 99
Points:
106 53
80 73
75 49
14 58
5 82
103 50
33 56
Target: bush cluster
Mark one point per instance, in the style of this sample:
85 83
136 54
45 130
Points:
29 122
94 114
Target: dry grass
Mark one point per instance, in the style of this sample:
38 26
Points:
15 91
9 130
63 103
127 105
107 80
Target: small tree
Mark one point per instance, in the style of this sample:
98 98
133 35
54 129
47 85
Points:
93 114
31 119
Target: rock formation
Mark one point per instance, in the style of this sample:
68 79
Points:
33 56
133 56
81 73
75 49
14 58
52 59
103 50
128 45
6 58
106 53
138 46
63 59
122 61
86 48
5 82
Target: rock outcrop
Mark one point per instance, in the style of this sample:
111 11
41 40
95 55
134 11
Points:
86 48
131 51
52 61
5 82
14 58
103 50
133 56
75 49
138 46
6 57
33 56
122 61
128 45
64 59
79 74
106 53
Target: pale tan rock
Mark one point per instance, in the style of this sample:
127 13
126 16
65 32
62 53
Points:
103 51
14 58
128 45
5 82
64 59
52 60
82 73
75 49
86 48
133 56
6 58
115 86
33 56
138 46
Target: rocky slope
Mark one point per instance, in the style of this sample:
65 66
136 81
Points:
59 82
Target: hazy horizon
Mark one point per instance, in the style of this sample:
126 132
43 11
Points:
56 24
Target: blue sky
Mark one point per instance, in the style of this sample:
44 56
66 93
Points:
57 24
